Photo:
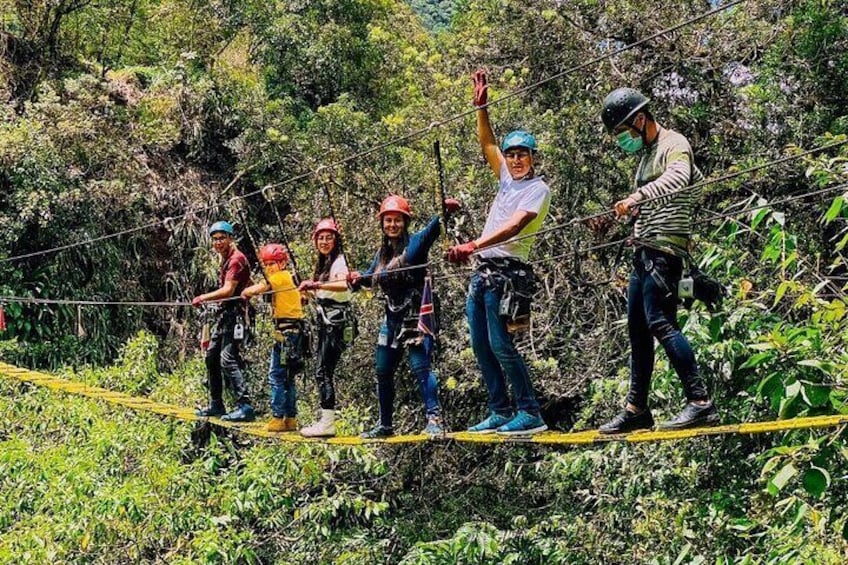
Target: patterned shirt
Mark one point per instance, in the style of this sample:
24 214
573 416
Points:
666 168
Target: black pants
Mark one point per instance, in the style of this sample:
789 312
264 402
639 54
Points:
330 347
652 314
224 361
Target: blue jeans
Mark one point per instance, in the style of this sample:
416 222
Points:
387 359
285 364
495 352
652 313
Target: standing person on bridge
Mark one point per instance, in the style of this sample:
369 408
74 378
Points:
336 324
501 288
403 292
223 357
661 234
288 352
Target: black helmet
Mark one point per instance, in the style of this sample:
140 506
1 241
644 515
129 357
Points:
620 105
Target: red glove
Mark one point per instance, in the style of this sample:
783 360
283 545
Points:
461 253
481 87
308 285
198 300
452 205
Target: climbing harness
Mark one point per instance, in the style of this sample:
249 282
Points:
516 282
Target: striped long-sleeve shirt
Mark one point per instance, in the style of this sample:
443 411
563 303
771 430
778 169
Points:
667 167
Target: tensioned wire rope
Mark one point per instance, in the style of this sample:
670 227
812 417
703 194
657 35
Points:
581 251
706 182
393 141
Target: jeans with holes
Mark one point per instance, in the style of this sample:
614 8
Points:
284 366
330 348
652 314
495 351
387 358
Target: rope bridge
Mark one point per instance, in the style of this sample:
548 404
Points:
258 429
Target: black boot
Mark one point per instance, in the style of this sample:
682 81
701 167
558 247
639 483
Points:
692 416
627 421
215 408
378 432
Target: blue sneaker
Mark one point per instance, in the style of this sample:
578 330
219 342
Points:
434 427
243 413
490 424
523 424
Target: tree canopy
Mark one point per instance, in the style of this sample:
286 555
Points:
164 112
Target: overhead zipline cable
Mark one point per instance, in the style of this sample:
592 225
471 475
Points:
394 141
580 251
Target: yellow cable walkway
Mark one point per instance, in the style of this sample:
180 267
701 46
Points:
548 438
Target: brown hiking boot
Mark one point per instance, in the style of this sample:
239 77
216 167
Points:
277 425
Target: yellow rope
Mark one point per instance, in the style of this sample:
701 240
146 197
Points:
548 438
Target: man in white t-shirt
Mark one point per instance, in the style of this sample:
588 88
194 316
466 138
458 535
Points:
501 287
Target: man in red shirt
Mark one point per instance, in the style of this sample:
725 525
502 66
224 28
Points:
223 358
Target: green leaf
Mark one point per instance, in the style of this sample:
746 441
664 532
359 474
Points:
815 395
756 360
779 480
834 210
824 366
842 243
815 481
774 390
781 290
790 405
758 217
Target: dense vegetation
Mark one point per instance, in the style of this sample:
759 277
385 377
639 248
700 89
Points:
125 112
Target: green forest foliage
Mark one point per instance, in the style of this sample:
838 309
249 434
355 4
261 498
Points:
119 113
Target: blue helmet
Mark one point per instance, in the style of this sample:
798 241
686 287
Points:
519 138
223 226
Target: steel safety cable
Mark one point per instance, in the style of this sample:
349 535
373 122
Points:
706 182
393 141
582 251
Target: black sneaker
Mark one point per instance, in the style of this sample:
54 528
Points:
692 416
378 432
215 408
244 413
627 421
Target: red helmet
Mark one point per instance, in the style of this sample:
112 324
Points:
273 253
326 224
395 203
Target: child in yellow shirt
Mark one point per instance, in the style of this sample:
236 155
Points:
287 358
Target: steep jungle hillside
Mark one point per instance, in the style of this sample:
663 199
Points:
164 114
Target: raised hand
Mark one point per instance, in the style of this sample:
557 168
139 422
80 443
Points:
481 88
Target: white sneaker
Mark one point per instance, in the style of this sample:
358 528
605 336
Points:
325 427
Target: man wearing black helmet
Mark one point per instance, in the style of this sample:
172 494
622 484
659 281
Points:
499 294
661 234
223 356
